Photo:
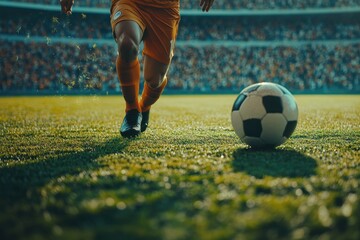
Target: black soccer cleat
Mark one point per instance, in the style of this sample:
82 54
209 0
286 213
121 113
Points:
145 120
131 125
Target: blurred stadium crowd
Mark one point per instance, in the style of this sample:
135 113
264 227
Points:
39 66
191 28
227 4
43 52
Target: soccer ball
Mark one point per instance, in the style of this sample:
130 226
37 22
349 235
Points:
264 115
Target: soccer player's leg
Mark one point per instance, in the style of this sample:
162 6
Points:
159 43
155 82
128 35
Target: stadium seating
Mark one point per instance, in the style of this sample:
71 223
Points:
311 67
226 4
191 28
304 52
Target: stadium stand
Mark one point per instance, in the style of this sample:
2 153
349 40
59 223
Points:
82 66
227 4
304 51
191 28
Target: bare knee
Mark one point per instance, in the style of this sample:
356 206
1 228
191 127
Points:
154 72
128 49
155 80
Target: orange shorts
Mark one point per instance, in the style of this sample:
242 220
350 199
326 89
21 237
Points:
159 25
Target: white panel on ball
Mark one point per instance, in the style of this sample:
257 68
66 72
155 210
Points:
252 107
290 108
273 128
237 123
268 89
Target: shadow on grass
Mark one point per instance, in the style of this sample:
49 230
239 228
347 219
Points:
22 203
275 163
17 182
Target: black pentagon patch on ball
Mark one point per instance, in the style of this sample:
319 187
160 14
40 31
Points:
252 127
239 100
289 129
273 104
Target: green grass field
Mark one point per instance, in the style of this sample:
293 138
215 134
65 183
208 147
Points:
65 172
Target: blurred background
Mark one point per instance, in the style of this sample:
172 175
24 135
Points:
308 46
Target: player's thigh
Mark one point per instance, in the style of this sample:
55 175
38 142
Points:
127 26
160 34
154 71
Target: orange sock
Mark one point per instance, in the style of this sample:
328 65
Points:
129 76
151 95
